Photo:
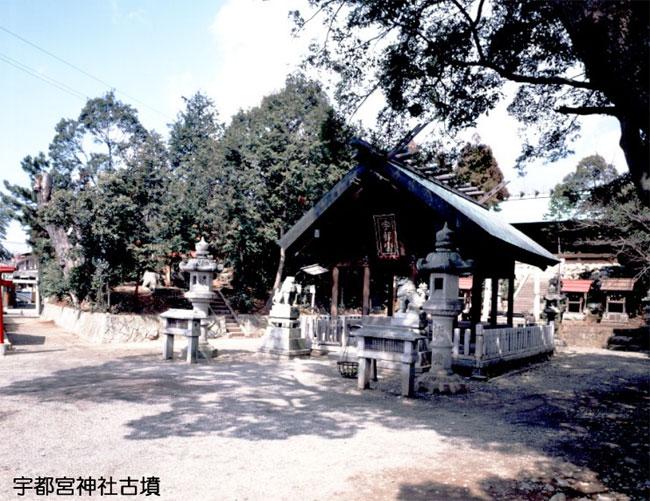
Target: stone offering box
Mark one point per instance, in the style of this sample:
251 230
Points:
394 345
181 323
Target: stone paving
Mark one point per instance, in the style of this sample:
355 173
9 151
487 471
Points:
244 426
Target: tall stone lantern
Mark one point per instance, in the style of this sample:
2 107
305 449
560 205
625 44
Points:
444 266
201 269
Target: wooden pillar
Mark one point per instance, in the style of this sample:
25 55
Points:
477 299
365 310
493 301
511 300
335 292
391 299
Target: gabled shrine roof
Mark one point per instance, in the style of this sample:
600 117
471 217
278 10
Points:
451 204
617 284
569 285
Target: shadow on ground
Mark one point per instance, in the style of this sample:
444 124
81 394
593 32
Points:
25 339
538 484
588 409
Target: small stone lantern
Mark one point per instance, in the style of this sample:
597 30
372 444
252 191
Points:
444 266
201 269
554 302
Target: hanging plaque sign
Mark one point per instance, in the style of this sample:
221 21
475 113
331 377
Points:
386 236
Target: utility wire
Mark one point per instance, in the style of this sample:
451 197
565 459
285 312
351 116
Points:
31 71
80 70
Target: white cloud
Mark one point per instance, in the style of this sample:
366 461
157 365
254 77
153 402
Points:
176 88
255 51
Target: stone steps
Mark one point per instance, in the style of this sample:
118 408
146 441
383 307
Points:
220 307
524 302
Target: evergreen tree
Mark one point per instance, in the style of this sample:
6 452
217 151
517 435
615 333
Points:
5 218
577 187
477 165
276 161
193 146
606 212
91 209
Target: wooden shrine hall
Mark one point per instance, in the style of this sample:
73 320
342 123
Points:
373 225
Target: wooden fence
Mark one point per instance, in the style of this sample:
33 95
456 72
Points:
492 346
327 332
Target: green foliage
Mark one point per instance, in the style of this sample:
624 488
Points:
448 61
577 187
53 283
275 161
98 218
193 153
121 201
477 165
5 218
607 213
613 216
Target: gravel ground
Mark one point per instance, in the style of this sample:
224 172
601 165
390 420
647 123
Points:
248 427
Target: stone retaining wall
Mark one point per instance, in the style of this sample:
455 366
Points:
109 328
103 327
585 334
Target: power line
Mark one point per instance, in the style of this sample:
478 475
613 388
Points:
80 70
31 71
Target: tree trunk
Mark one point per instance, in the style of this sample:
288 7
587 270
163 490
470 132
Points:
58 237
611 38
278 277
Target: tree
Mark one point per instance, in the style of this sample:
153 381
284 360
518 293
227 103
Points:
276 161
193 152
91 208
576 188
606 213
477 165
448 61
5 218
619 220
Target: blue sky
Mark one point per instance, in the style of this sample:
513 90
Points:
155 51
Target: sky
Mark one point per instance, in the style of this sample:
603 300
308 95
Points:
153 52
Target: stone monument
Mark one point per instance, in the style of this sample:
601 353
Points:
201 269
283 335
444 266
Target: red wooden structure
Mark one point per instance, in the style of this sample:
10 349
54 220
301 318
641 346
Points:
4 283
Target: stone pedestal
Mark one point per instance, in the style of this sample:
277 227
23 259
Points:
393 344
615 317
283 335
5 347
183 323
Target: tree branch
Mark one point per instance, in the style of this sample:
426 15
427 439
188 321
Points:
588 110
530 79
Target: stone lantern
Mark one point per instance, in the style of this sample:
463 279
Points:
443 306
201 269
646 308
554 302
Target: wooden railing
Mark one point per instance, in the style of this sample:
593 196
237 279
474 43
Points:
502 344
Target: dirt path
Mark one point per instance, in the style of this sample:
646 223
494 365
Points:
248 427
